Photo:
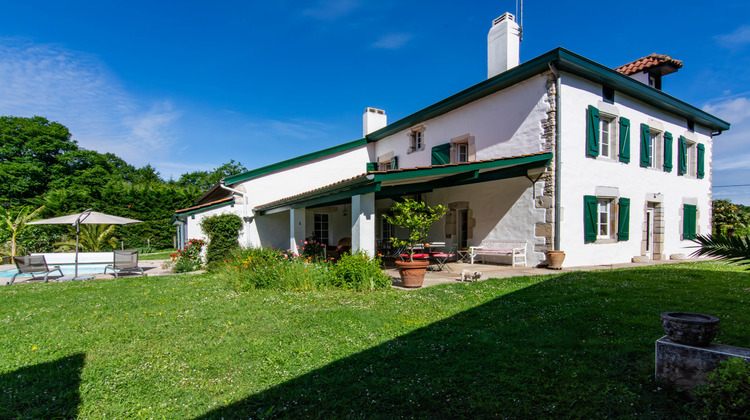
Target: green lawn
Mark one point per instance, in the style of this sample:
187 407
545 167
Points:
160 255
572 345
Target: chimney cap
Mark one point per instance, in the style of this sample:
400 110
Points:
506 15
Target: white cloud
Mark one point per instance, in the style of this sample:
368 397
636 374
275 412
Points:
737 39
331 9
77 90
733 110
392 41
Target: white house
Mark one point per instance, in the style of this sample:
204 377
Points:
559 151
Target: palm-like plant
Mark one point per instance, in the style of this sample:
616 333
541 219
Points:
92 238
735 249
14 221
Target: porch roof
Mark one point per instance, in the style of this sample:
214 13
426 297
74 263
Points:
397 182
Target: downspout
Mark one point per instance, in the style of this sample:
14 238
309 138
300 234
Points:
558 110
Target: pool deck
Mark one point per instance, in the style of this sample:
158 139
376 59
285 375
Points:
432 278
150 268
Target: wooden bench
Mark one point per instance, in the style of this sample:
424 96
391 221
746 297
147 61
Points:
516 250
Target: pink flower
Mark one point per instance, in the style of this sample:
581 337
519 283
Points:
305 242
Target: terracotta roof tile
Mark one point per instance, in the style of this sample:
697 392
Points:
647 62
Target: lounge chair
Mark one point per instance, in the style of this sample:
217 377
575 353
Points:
35 265
126 260
344 246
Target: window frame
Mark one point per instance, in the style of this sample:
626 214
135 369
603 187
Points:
416 139
613 128
691 148
656 145
318 228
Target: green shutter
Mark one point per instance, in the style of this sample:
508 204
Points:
645 141
667 152
394 162
372 166
682 156
689 215
623 220
624 140
589 218
441 155
592 131
701 160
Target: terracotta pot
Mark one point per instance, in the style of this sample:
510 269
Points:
689 328
555 259
412 273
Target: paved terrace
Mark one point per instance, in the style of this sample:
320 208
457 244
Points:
432 278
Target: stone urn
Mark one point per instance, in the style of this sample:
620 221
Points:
412 272
555 259
689 328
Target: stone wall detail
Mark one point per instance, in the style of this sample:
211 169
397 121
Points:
546 201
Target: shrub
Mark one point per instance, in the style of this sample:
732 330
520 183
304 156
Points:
313 250
359 272
188 258
222 231
727 394
254 268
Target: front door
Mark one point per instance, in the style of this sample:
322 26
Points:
650 233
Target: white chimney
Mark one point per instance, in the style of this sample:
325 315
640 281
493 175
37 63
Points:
373 120
503 45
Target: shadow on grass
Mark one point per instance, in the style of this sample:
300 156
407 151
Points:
578 345
46 390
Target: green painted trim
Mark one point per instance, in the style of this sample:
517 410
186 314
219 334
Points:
453 169
567 61
201 210
456 175
367 189
576 64
314 194
294 161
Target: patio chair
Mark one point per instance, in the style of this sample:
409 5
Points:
344 246
126 261
441 258
35 265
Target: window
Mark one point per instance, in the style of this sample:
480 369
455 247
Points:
656 145
602 138
691 126
387 230
608 94
606 219
320 229
608 138
416 139
692 159
384 166
461 152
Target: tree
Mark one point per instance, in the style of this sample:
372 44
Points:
30 150
14 221
417 218
93 238
728 218
204 180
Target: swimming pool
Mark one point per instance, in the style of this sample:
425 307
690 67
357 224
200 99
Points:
67 269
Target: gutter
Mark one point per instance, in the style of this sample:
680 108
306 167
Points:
245 216
558 200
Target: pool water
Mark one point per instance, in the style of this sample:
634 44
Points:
67 269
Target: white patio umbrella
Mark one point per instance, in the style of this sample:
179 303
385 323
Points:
87 217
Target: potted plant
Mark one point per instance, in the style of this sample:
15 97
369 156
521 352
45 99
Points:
555 259
416 218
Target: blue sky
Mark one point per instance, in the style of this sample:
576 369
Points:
190 85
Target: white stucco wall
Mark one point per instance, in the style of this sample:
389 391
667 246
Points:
506 123
581 175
